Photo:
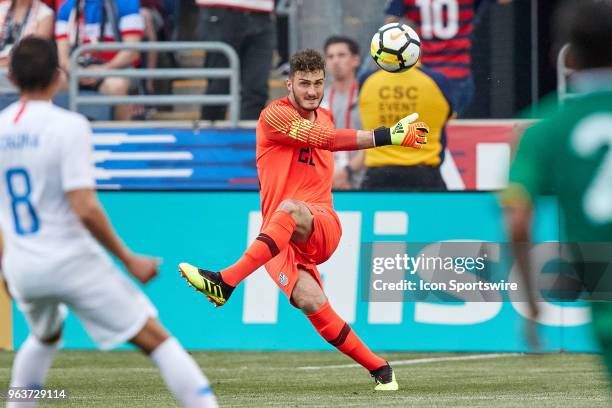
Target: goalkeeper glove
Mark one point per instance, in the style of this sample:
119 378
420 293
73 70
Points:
403 133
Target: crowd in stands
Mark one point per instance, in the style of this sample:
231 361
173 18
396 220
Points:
377 98
75 22
254 42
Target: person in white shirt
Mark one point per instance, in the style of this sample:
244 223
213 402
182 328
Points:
19 19
22 18
82 22
341 96
55 230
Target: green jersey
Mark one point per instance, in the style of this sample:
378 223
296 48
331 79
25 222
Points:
569 155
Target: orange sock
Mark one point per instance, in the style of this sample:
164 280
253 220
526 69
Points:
340 335
273 239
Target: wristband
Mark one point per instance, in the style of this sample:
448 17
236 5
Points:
382 136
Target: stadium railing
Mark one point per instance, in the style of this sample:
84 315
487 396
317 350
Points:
232 100
563 73
5 85
8 93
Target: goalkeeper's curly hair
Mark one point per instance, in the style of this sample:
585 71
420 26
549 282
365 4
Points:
307 60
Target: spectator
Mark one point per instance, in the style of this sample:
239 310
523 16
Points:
100 21
21 18
386 97
342 61
446 33
282 39
54 4
152 12
247 26
18 19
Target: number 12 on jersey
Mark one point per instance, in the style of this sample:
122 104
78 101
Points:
19 190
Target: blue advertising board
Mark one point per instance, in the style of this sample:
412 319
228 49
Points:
212 229
175 159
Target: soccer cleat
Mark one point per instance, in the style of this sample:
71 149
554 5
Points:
385 379
207 282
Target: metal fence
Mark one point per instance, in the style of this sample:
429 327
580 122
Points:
5 85
563 74
232 100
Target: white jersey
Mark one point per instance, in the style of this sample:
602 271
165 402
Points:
45 151
50 259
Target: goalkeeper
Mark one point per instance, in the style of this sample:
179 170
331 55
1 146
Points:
295 164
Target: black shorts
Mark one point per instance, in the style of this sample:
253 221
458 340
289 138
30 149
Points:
403 178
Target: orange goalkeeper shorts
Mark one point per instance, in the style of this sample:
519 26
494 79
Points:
323 241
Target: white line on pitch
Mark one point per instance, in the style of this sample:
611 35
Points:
422 360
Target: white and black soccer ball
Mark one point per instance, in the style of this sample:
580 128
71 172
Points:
395 47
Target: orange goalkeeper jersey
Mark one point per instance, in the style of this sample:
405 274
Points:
294 155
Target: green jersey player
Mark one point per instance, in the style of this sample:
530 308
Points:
569 154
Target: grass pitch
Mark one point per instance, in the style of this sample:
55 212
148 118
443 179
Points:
261 379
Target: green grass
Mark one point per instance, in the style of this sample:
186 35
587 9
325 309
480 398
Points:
261 379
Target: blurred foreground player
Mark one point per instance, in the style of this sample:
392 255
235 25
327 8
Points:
51 220
295 141
569 154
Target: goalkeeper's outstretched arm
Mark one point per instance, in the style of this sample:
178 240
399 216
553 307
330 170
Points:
284 125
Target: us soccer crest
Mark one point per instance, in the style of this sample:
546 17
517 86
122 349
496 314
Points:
283 279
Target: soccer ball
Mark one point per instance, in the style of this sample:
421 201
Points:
395 47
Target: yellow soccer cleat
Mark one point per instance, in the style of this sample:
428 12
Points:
209 283
385 379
